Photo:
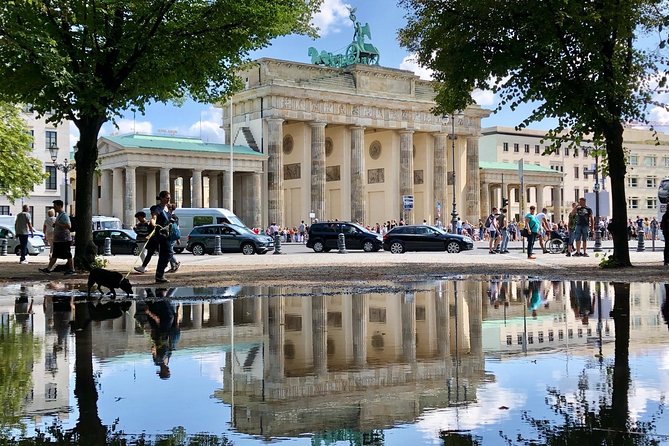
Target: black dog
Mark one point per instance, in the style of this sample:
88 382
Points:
108 279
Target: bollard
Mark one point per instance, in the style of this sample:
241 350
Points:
3 246
653 233
640 246
277 243
341 243
217 246
107 251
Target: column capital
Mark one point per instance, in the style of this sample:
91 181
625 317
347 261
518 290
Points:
274 120
357 127
407 132
318 124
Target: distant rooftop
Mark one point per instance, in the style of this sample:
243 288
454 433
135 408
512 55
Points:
165 142
499 165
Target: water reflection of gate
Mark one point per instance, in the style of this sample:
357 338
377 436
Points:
357 361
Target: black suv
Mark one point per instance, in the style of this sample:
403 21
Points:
202 240
323 237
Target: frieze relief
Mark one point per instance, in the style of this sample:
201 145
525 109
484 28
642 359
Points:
360 111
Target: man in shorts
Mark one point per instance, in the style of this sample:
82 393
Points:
584 223
62 240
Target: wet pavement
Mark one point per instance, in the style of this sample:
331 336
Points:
506 361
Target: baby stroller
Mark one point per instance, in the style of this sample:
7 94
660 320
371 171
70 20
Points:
558 241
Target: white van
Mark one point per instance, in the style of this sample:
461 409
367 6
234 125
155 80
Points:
102 222
192 217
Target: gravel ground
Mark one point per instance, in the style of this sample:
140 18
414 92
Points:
297 264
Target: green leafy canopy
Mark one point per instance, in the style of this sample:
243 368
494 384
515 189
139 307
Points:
19 171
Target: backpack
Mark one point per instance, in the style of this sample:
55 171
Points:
488 221
175 233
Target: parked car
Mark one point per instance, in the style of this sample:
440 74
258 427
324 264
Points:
202 240
424 238
323 237
123 241
8 221
35 243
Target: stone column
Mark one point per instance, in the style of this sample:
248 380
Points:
275 170
484 201
557 203
359 320
408 314
540 197
186 191
474 295
440 174
473 209
319 332
213 189
256 201
406 169
106 189
117 193
151 193
197 188
129 203
318 169
164 180
227 184
442 321
358 174
276 335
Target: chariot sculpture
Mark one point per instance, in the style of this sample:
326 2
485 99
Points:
357 51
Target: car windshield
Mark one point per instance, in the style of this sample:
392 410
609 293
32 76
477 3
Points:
439 230
360 227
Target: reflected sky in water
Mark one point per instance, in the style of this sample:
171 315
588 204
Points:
387 364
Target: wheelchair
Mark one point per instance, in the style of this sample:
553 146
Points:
558 242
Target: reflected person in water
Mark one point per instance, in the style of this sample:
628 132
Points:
163 317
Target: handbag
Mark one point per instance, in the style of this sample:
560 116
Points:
525 232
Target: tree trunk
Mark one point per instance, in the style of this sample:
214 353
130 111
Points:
621 368
617 172
86 158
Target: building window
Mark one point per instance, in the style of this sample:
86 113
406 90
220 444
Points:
4 210
666 161
516 147
561 168
649 161
632 203
505 146
577 194
51 180
651 203
566 151
32 138
585 152
634 160
527 148
575 153
557 151
585 172
651 182
576 172
632 181
537 149
51 139
509 340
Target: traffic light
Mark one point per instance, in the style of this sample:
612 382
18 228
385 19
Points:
505 202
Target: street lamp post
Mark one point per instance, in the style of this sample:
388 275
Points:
64 167
598 233
454 212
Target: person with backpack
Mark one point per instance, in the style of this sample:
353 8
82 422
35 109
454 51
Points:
491 226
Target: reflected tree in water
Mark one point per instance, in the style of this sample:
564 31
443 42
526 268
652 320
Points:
455 438
606 421
18 350
354 437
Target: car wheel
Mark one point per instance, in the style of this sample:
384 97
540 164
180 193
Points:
453 247
396 248
17 250
178 250
248 249
198 249
368 246
135 250
319 246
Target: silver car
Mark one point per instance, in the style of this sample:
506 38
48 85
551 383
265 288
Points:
35 244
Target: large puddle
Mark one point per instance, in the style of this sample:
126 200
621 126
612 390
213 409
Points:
510 361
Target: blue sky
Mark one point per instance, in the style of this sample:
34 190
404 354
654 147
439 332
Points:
385 17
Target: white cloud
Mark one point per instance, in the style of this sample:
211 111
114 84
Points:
484 97
208 128
659 115
332 17
409 63
124 126
74 134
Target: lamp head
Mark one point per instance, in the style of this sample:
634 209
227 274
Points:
53 151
